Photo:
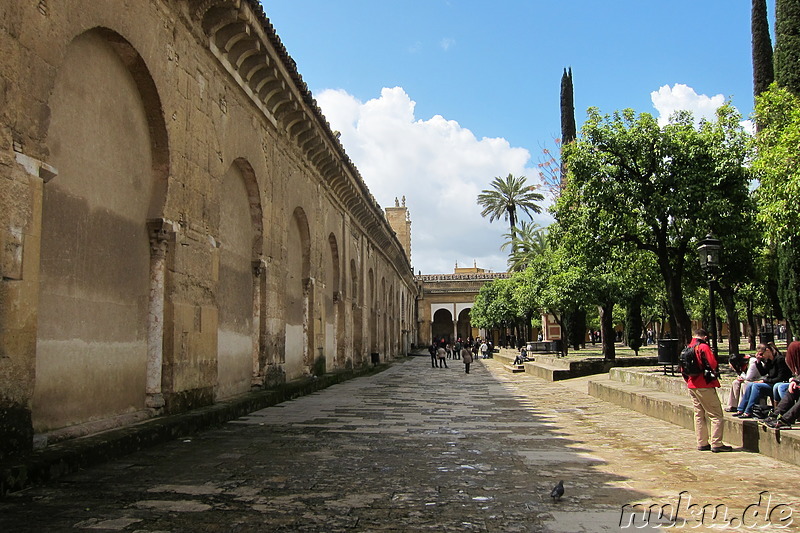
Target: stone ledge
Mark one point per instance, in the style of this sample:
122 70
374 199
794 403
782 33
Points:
554 368
64 457
677 409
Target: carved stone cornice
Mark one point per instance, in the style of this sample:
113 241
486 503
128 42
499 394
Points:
245 43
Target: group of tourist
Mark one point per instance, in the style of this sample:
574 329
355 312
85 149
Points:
770 376
763 376
441 350
767 375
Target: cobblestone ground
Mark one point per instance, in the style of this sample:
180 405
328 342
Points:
421 449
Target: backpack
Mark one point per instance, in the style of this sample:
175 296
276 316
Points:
688 363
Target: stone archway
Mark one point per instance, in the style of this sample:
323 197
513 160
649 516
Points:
238 293
100 330
464 325
334 309
357 326
299 297
442 326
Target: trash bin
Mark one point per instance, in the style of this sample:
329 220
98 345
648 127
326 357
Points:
376 358
669 354
766 337
668 350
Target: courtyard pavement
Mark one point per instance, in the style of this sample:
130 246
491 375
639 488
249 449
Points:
416 448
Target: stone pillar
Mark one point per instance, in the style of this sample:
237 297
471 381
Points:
259 323
455 323
160 231
308 322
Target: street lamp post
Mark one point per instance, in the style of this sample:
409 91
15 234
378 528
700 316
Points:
708 249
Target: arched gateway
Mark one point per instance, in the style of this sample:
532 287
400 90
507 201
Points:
445 301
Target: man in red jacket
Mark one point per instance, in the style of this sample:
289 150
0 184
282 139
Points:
703 391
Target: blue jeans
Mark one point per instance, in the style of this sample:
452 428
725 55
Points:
778 390
752 395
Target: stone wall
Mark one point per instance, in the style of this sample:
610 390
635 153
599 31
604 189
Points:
178 223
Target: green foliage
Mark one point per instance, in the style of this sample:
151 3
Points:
657 189
528 241
778 164
494 305
763 72
789 282
787 44
506 196
633 323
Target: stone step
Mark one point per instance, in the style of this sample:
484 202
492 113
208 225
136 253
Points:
548 372
677 409
514 368
655 378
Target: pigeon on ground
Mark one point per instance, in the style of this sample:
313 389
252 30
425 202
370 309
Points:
558 491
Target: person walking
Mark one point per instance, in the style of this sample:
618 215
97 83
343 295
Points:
466 358
432 351
703 392
441 353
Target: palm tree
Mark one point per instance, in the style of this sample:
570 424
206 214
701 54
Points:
505 197
530 240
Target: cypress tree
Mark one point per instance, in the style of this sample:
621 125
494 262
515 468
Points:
568 129
787 74
787 44
763 72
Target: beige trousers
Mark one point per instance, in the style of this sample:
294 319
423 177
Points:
706 404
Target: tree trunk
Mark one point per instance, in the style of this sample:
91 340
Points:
607 330
562 321
577 329
727 296
751 323
683 324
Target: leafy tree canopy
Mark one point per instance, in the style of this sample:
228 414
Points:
778 163
660 189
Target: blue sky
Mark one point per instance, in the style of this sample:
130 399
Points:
434 98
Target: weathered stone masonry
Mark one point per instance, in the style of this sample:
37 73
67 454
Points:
178 223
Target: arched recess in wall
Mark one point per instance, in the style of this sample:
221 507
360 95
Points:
403 317
442 327
383 305
357 326
334 309
372 322
100 300
240 290
299 296
464 325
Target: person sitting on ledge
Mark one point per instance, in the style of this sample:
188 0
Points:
788 410
521 357
749 369
777 372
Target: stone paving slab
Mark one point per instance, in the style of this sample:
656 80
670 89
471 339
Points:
419 449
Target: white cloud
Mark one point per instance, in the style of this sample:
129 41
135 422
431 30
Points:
438 165
681 97
446 43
